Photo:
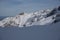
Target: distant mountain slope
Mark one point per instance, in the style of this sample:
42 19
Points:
43 17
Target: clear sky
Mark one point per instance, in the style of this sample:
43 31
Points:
14 7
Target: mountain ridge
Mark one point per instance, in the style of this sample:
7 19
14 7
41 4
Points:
43 17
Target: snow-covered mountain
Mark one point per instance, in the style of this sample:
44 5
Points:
42 17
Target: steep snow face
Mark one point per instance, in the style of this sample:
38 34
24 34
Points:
43 17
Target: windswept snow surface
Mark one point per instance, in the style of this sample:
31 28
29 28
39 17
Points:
42 17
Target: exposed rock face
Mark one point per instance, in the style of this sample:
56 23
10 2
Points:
21 13
59 8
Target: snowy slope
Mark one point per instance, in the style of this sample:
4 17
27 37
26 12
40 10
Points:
42 17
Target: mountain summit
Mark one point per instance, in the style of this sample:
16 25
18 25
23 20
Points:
43 17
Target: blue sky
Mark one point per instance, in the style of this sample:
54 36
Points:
14 7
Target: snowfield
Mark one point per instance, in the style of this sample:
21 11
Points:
43 17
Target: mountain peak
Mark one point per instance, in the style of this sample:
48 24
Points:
59 8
